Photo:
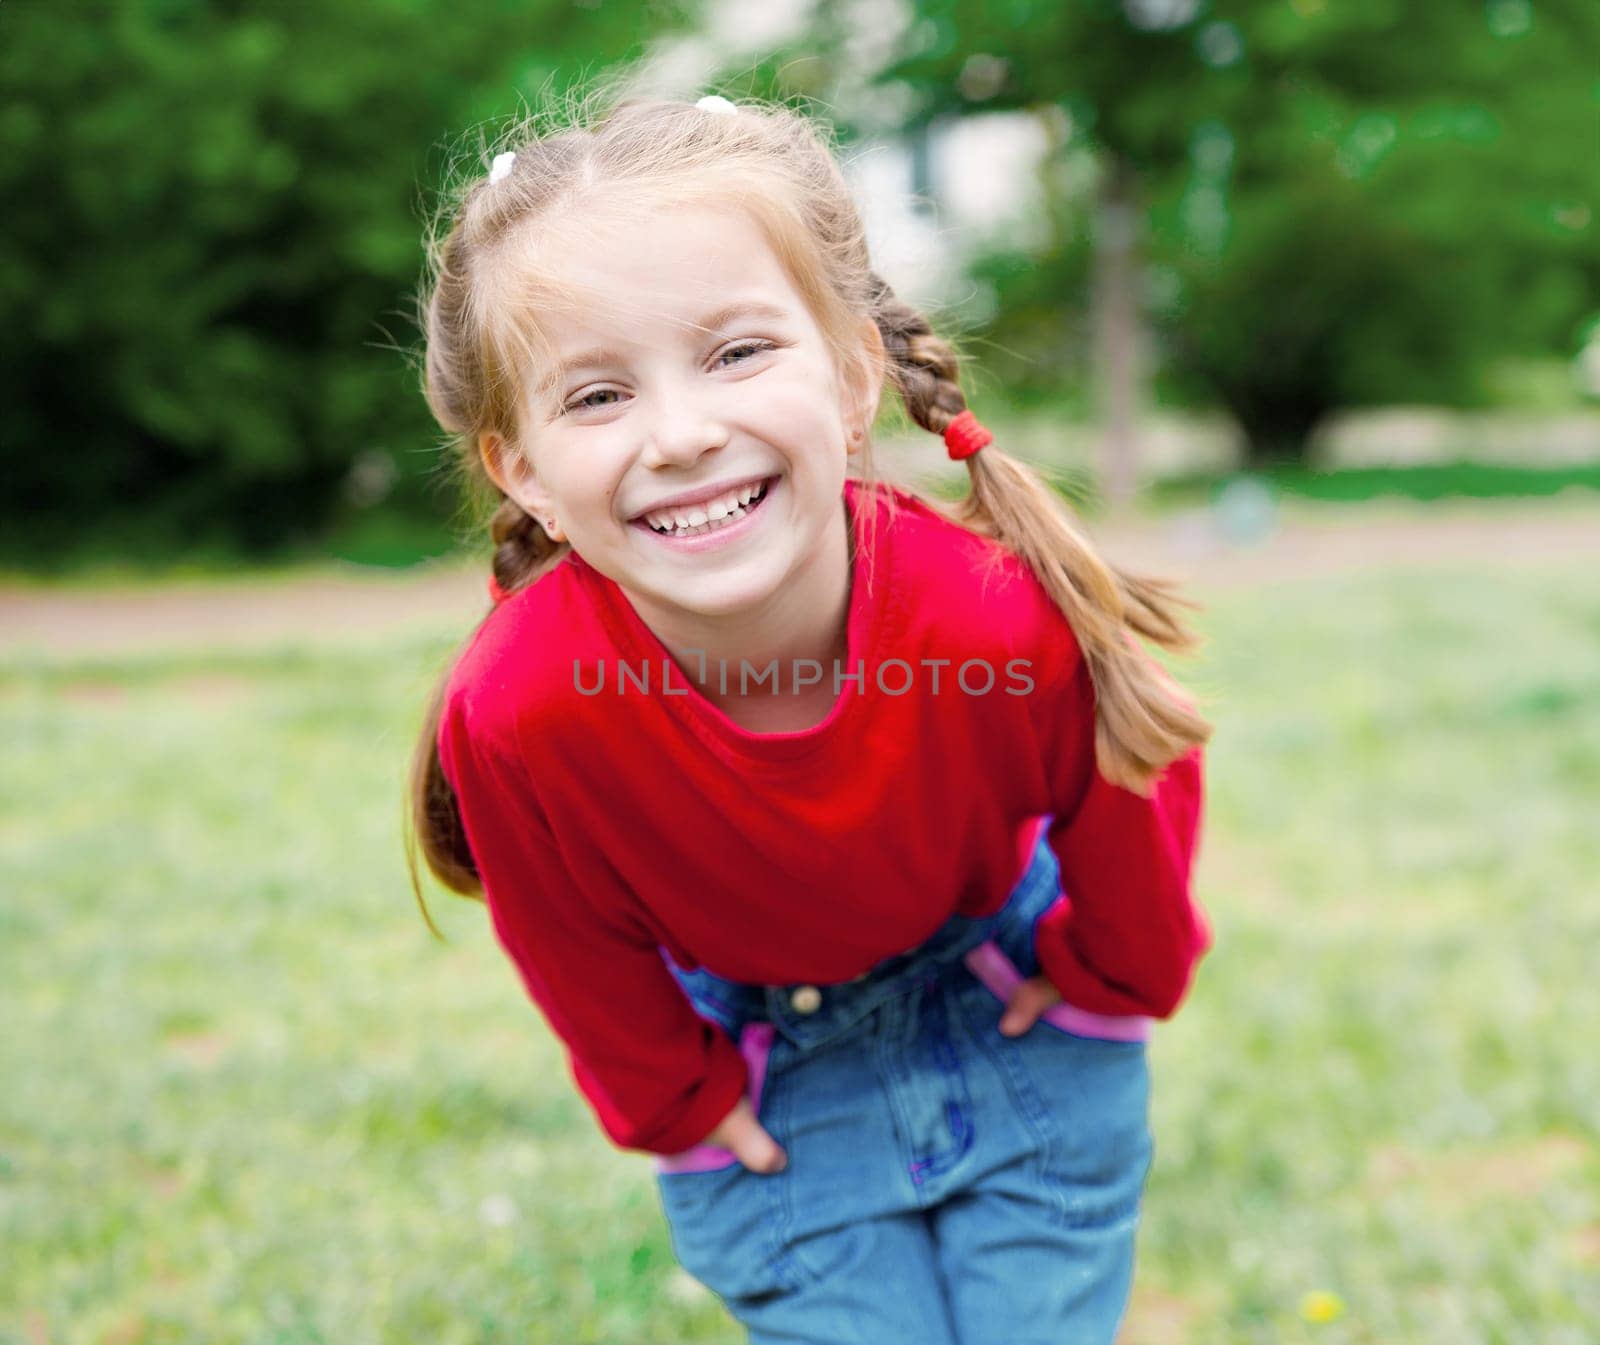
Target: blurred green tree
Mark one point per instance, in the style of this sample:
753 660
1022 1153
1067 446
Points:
214 218
1344 204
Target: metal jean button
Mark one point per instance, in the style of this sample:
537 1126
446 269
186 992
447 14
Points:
806 999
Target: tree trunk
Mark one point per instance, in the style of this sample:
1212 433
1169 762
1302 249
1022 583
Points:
1116 325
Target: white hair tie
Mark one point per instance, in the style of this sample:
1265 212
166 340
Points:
502 165
715 102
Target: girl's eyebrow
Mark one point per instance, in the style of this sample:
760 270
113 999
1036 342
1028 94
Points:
711 322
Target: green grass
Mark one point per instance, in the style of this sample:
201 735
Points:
109 558
247 1098
1350 485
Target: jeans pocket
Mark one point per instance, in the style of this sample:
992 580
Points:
1085 1097
723 1228
726 1222
1089 1076
1102 1148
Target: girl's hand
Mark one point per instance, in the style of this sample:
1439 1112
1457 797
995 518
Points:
1030 999
751 1145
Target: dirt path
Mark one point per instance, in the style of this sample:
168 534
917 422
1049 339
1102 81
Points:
345 604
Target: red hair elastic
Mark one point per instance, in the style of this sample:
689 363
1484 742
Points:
964 436
495 591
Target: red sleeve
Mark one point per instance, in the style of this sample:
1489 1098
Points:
658 1076
1127 933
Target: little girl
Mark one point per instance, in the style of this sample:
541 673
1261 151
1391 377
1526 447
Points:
842 837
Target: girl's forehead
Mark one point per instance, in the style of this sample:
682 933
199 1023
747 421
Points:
669 268
667 278
663 320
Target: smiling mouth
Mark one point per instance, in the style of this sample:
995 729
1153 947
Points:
739 513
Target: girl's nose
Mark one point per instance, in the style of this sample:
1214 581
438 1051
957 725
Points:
681 430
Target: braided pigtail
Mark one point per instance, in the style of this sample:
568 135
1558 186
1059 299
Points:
522 552
1140 724
522 549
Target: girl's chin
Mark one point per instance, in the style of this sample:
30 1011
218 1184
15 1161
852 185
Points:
720 602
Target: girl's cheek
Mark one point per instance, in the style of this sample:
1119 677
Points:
792 403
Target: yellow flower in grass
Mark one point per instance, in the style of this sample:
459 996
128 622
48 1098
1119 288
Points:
1321 1306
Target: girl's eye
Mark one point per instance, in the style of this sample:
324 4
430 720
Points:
745 348
750 347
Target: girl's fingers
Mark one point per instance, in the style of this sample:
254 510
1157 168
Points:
761 1153
1030 999
743 1135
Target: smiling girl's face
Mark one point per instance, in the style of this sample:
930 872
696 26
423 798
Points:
693 366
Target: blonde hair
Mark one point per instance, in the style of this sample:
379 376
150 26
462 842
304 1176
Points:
627 157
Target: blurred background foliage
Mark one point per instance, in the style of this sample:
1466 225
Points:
214 220
1343 204
214 216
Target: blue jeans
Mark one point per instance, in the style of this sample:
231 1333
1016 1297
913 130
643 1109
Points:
946 1184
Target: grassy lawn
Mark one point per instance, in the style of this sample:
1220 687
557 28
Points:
1433 481
248 1098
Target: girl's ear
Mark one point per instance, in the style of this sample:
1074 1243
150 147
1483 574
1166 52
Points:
510 471
864 379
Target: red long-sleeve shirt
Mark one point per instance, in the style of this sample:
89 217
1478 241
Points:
609 821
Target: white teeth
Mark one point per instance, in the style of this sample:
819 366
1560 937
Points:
699 518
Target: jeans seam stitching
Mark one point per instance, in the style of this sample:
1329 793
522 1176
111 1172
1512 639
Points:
785 1257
